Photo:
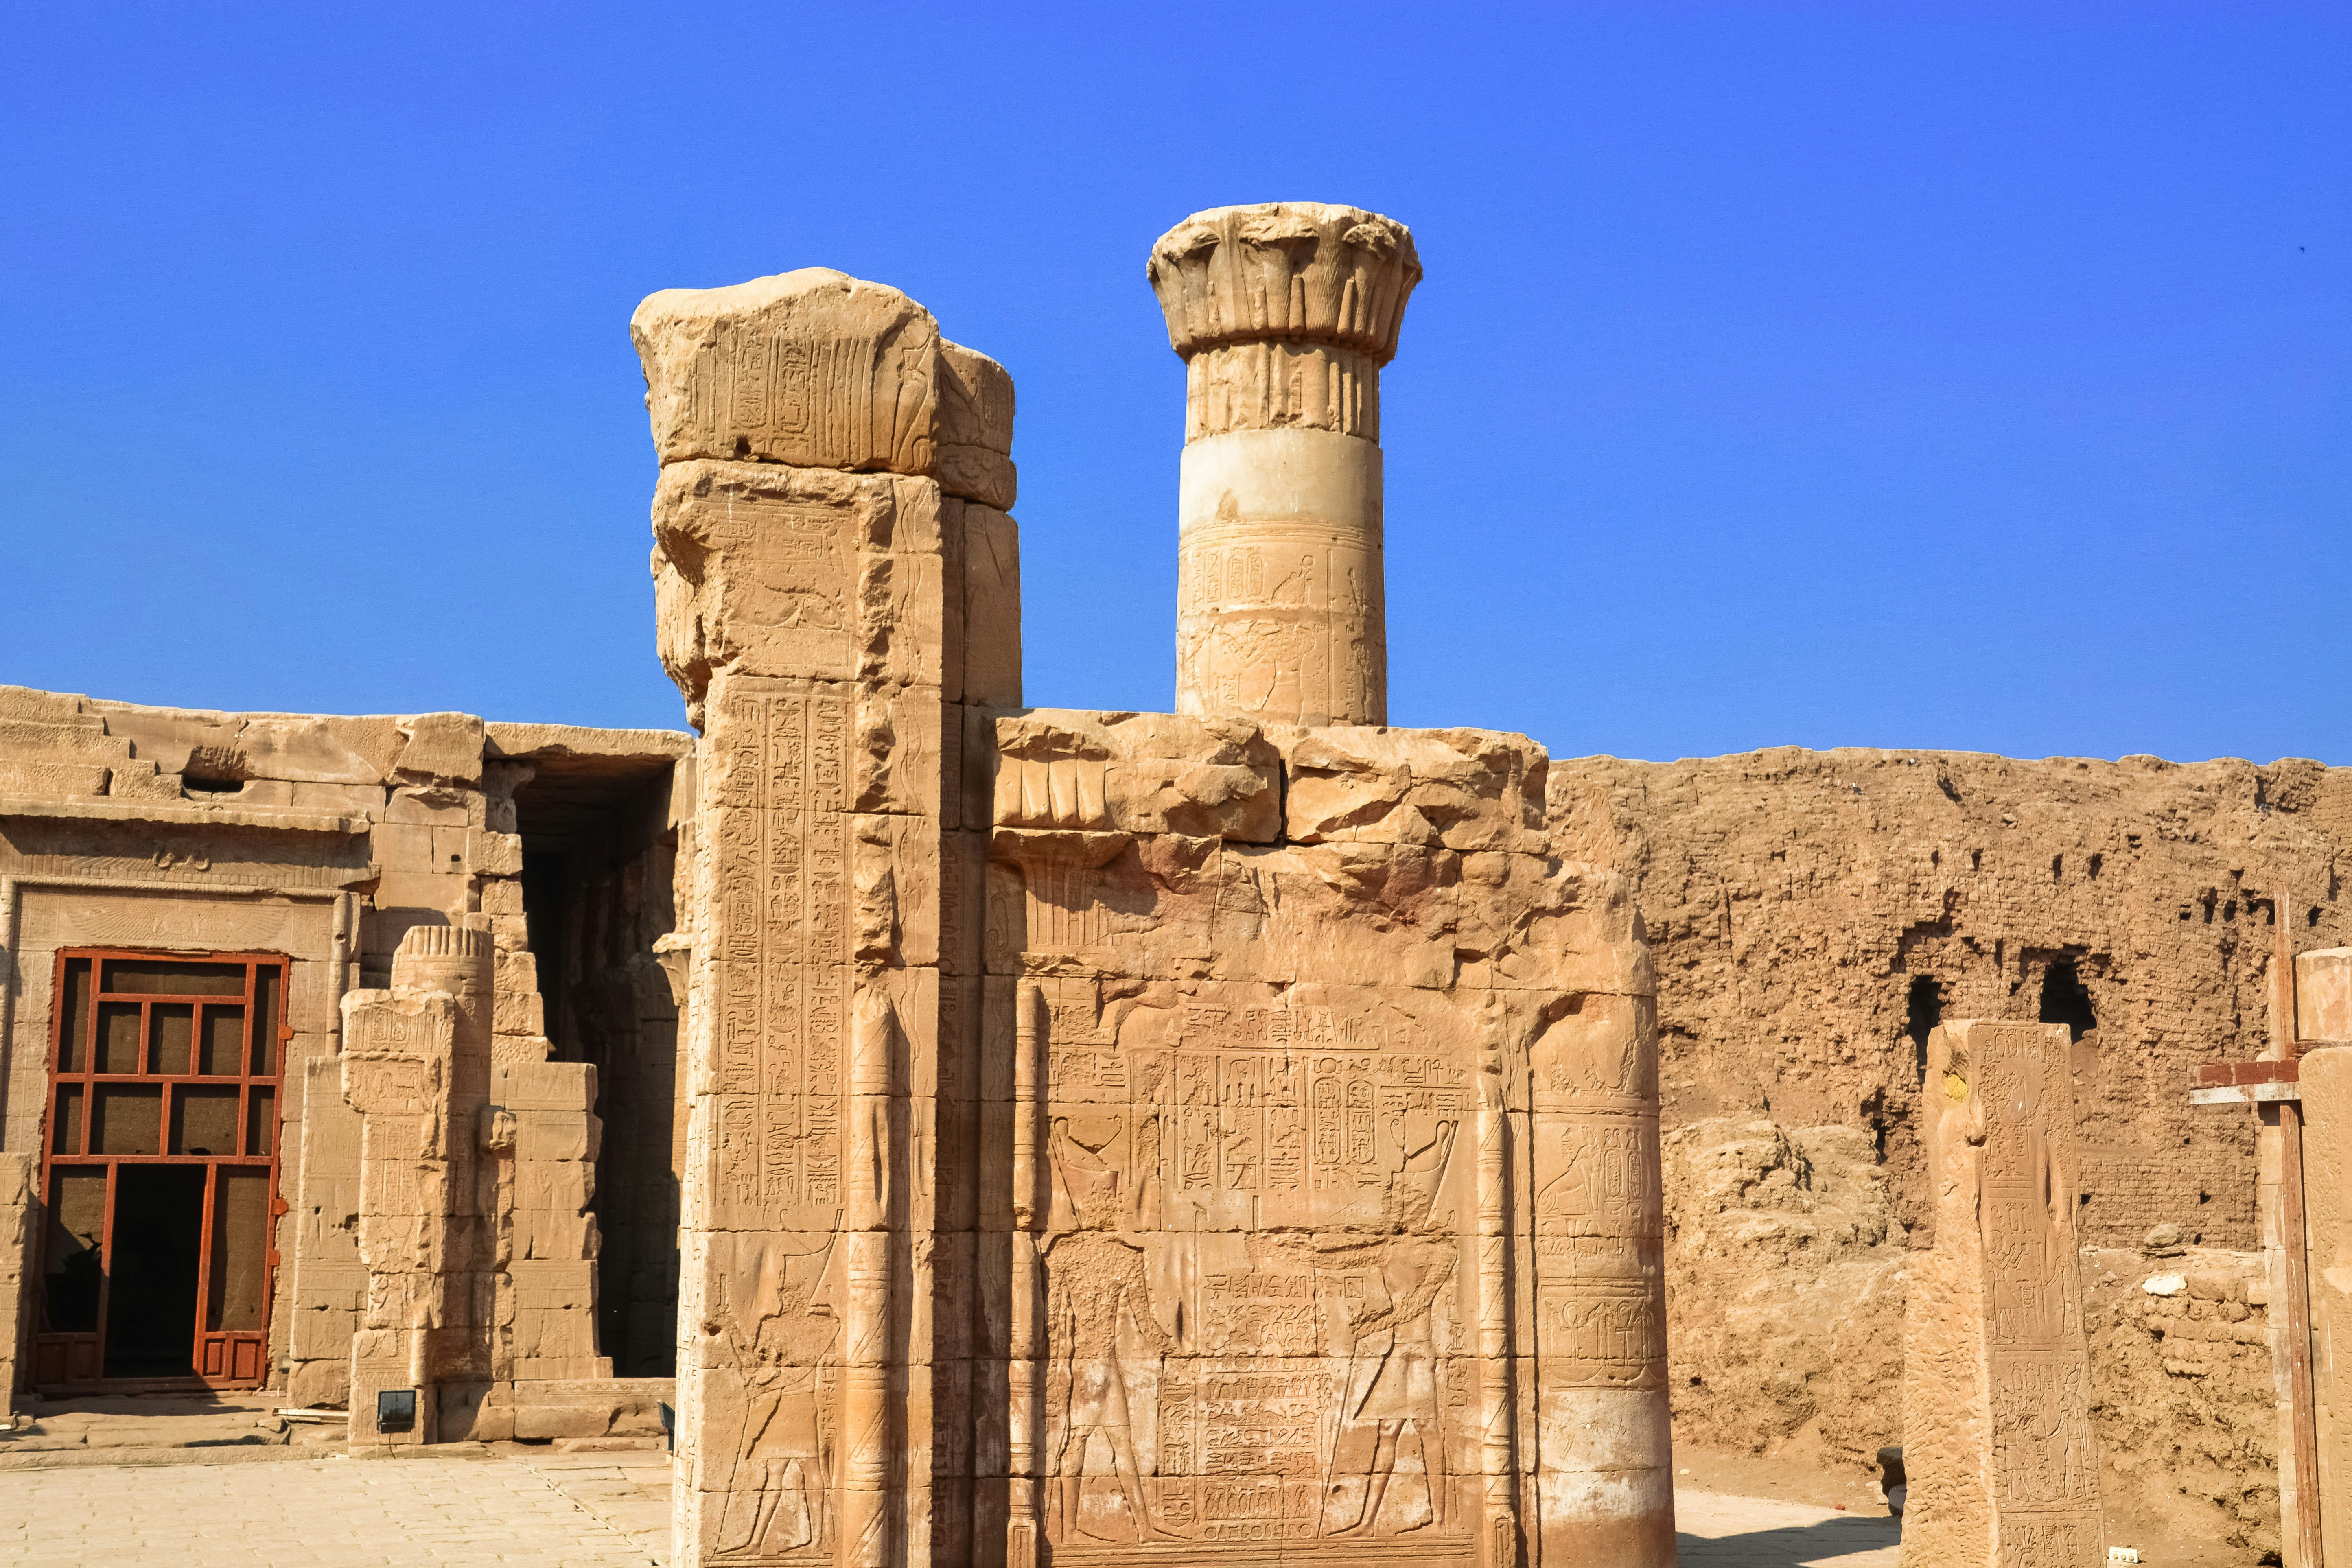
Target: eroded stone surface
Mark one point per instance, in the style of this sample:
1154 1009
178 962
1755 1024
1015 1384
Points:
1998 1443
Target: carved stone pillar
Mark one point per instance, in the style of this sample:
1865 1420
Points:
2003 1464
1284 313
400 1047
2324 1028
1026 1384
1499 1540
1604 1483
461 965
834 583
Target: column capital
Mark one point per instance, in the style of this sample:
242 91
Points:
1284 314
1285 273
1308 272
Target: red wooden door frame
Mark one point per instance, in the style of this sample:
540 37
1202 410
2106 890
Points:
221 1358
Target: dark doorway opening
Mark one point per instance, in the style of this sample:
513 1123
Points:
151 1313
2066 1000
1926 1011
600 843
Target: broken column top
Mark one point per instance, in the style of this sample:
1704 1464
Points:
820 370
1285 271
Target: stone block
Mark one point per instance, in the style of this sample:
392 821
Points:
76 740
45 707
40 778
992 608
142 781
320 1384
797 572
1460 789
544 1086
2323 995
318 750
423 890
405 846
343 799
2002 1460
519 1011
411 805
477 1413
444 748
491 854
973 456
501 896
811 368
1137 772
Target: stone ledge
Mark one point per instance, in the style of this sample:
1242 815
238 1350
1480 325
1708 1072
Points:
527 741
2246 1094
181 813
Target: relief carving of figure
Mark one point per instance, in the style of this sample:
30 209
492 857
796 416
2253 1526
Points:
1392 1365
776 1343
1094 1286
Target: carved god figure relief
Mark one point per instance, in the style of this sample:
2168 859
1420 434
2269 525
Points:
776 1321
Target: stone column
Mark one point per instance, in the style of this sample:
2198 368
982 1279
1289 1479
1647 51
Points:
1997 1437
2324 1024
1284 313
461 965
1604 1476
397 1073
19 1183
835 582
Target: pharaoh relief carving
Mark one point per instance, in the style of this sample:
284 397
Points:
774 1320
1259 1269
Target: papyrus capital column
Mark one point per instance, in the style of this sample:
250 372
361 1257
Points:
1284 313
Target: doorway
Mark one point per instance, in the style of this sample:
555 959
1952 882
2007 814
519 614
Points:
160 1170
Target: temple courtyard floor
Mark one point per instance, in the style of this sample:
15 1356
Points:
273 1507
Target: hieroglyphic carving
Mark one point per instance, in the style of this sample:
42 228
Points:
1297 1234
811 368
1995 1363
1284 619
781 958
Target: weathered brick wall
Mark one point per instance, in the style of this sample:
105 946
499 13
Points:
1796 899
1810 912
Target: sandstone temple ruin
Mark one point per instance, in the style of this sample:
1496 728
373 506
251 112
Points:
996 1135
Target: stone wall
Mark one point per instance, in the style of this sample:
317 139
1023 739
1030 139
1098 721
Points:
1814 913
325 840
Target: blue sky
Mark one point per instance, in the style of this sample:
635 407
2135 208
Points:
1900 375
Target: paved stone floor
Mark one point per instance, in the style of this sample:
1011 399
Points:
581 1510
322 1513
1718 1531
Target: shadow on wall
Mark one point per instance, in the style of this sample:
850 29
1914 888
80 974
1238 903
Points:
600 848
